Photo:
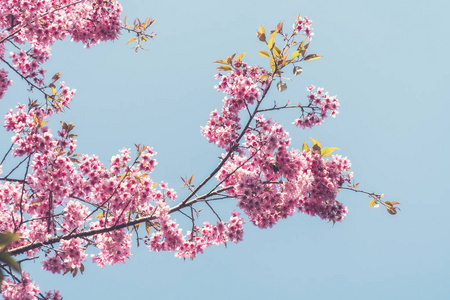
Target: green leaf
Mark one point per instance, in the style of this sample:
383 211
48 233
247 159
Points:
224 68
327 151
305 147
312 57
7 238
263 53
10 261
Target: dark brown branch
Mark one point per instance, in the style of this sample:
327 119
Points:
91 232
231 151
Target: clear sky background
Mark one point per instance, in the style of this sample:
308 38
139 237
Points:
388 63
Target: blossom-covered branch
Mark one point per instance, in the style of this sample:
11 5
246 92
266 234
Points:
66 205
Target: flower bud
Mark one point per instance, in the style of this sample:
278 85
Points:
281 86
297 70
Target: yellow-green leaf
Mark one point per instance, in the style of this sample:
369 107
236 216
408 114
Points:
190 179
327 151
312 57
305 47
272 63
295 54
154 185
241 56
271 41
230 59
56 76
263 53
7 238
10 261
131 40
301 45
315 142
276 51
372 203
53 87
305 147
261 29
100 215
221 61
224 68
261 34
148 227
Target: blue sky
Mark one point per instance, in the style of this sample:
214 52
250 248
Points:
385 60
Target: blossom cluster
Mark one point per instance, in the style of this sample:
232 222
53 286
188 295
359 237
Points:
40 23
169 237
241 88
279 181
63 191
25 290
207 235
303 25
320 105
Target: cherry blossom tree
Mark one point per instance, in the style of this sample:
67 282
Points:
60 206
